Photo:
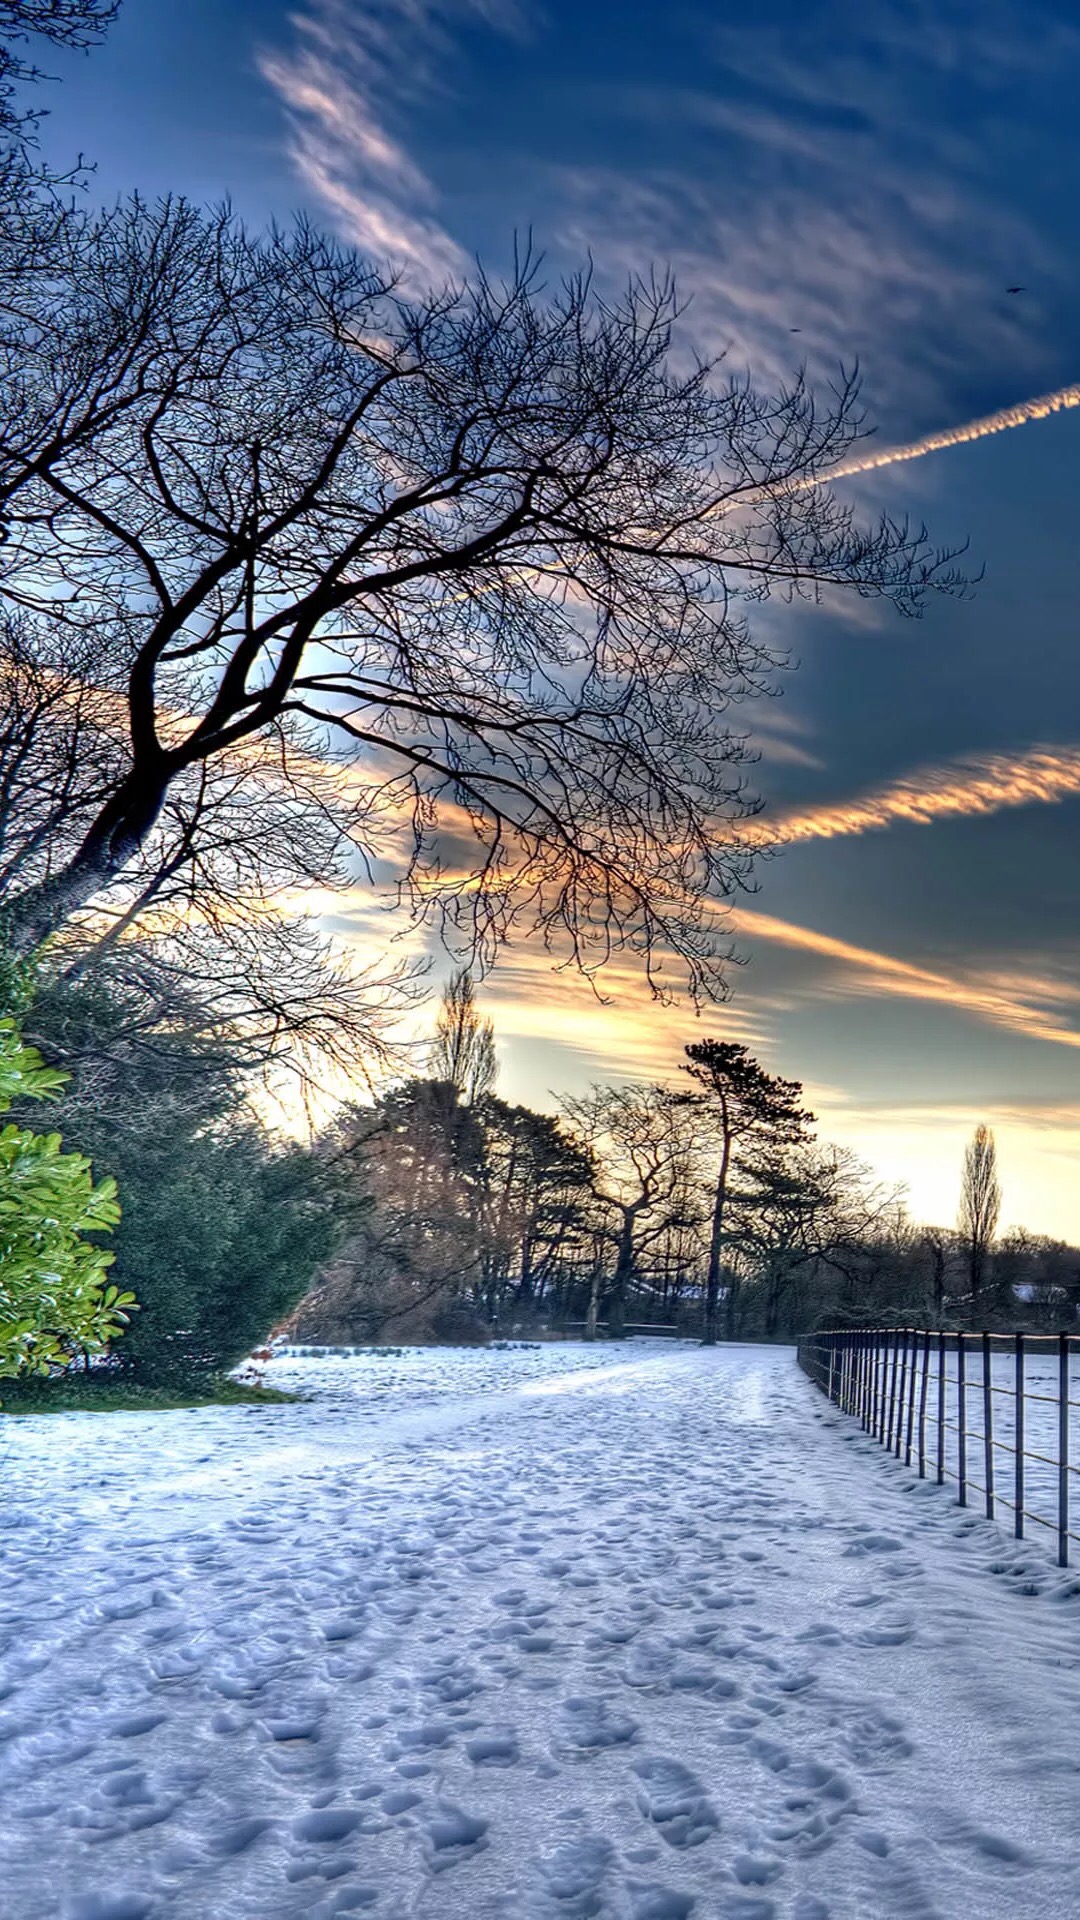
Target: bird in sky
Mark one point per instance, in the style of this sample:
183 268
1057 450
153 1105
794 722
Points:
1016 289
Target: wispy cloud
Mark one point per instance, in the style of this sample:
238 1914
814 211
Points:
348 81
1033 1004
830 202
978 784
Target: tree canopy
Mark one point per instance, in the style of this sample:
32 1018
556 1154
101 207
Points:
483 556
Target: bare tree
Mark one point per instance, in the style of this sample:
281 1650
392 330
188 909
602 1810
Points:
980 1205
273 1003
801 1205
938 1249
61 23
639 1143
214 902
464 1049
491 542
748 1109
35 200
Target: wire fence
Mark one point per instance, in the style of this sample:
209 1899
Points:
989 1413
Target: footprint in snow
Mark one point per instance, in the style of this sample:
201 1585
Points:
589 1724
493 1750
873 1543
108 1906
659 1903
451 1835
568 1884
675 1801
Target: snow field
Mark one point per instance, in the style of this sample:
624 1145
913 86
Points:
547 1634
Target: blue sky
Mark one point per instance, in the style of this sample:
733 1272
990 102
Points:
874 174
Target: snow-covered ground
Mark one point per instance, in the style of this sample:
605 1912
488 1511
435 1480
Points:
555 1634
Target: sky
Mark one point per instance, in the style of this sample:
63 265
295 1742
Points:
834 182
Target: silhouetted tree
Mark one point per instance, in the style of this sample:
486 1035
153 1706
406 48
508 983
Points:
800 1206
537 1183
60 23
639 1141
980 1205
221 1227
486 541
464 1049
748 1108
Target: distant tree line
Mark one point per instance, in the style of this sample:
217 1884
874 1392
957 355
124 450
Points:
439 1211
710 1207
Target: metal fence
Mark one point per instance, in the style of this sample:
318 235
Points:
990 1413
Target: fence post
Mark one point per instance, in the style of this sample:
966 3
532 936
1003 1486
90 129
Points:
891 1408
988 1427
1018 1436
961 1419
903 1391
829 1388
924 1388
875 1384
941 1411
1063 1450
911 1397
877 1350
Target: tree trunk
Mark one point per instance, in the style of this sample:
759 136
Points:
115 837
31 917
716 1242
731 1309
623 1268
593 1313
938 1284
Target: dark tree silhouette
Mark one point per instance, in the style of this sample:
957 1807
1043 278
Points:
463 1052
744 1104
796 1205
980 1205
61 23
637 1139
489 544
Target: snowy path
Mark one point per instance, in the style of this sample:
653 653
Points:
555 1635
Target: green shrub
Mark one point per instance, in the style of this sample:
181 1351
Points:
55 1299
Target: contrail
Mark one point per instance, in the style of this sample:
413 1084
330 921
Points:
1006 417
978 784
1016 416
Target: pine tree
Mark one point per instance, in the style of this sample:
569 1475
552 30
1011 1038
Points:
744 1103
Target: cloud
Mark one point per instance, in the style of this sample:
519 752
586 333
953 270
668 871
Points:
1019 415
1033 1005
824 180
627 1035
980 784
355 68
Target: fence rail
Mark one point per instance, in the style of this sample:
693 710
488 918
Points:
961 1405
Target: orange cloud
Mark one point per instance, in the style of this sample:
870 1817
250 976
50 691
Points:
1027 1004
978 785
